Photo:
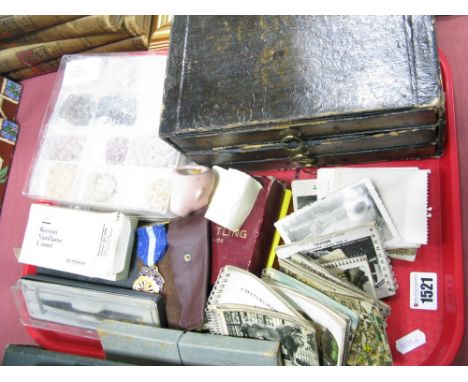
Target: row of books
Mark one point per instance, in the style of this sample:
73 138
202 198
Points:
33 45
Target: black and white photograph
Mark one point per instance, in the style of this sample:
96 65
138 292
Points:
352 206
354 270
356 248
359 241
298 342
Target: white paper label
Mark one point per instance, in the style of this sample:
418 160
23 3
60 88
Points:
423 290
411 341
77 71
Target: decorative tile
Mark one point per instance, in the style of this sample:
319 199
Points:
9 131
13 90
10 93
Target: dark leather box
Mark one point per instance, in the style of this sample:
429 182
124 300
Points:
375 155
310 151
267 82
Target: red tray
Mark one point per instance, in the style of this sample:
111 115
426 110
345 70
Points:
443 255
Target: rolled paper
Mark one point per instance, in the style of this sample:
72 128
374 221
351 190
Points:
233 198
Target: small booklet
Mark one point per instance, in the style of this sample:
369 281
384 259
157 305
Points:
350 207
365 241
296 335
239 300
274 277
370 345
332 328
336 283
238 286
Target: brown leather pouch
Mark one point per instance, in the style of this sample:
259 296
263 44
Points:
185 268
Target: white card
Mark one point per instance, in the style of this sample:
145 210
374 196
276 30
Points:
411 341
423 290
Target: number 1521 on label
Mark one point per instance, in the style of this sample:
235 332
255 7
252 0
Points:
423 290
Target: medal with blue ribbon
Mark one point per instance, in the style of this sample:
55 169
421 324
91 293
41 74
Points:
151 247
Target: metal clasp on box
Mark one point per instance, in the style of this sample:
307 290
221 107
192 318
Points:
298 148
303 159
293 143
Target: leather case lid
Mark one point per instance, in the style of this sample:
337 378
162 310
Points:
230 72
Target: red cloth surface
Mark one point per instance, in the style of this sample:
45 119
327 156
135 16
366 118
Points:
452 32
15 208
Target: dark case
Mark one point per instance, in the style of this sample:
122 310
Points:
25 355
242 89
103 290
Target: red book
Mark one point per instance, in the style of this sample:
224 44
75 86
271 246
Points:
248 247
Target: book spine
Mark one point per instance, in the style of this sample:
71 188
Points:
84 26
18 24
127 45
30 55
267 229
255 236
136 25
42 68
